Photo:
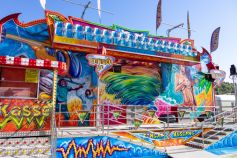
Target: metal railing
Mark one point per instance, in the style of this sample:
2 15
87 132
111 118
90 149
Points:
100 121
219 122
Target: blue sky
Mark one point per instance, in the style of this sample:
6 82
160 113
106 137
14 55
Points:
205 16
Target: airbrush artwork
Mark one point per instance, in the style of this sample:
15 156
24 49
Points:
77 91
76 88
110 71
104 147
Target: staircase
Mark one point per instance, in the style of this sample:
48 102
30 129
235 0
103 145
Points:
220 126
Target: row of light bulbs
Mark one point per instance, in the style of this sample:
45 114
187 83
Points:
122 38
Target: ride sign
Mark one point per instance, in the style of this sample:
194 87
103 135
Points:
102 63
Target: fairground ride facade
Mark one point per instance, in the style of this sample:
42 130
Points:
117 93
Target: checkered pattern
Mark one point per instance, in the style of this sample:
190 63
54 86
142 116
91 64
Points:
37 63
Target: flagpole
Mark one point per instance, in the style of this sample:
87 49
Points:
188 25
99 9
98 123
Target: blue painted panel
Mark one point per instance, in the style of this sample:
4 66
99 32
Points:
106 147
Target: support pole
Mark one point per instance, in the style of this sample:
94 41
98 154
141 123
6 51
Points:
53 120
98 107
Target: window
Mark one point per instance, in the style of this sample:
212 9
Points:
18 82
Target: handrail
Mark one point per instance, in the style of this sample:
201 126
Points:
217 116
233 113
105 127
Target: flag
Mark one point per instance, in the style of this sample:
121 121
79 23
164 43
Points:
158 15
99 8
82 115
43 4
116 114
215 40
208 113
188 24
181 114
151 113
137 123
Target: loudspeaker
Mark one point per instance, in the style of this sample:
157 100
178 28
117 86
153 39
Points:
117 68
232 70
209 77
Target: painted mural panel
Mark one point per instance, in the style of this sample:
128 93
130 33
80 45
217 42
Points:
129 86
102 147
76 92
19 113
130 83
185 87
163 89
24 115
161 138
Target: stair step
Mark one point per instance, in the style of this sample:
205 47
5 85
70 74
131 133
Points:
230 123
227 129
211 137
218 133
200 140
194 145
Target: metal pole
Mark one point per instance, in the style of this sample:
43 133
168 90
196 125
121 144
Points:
203 144
235 87
53 120
175 27
98 120
167 115
85 8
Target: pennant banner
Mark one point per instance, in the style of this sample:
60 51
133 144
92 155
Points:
158 15
137 123
82 115
151 113
181 114
116 114
215 39
99 8
208 113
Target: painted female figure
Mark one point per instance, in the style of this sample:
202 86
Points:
184 85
